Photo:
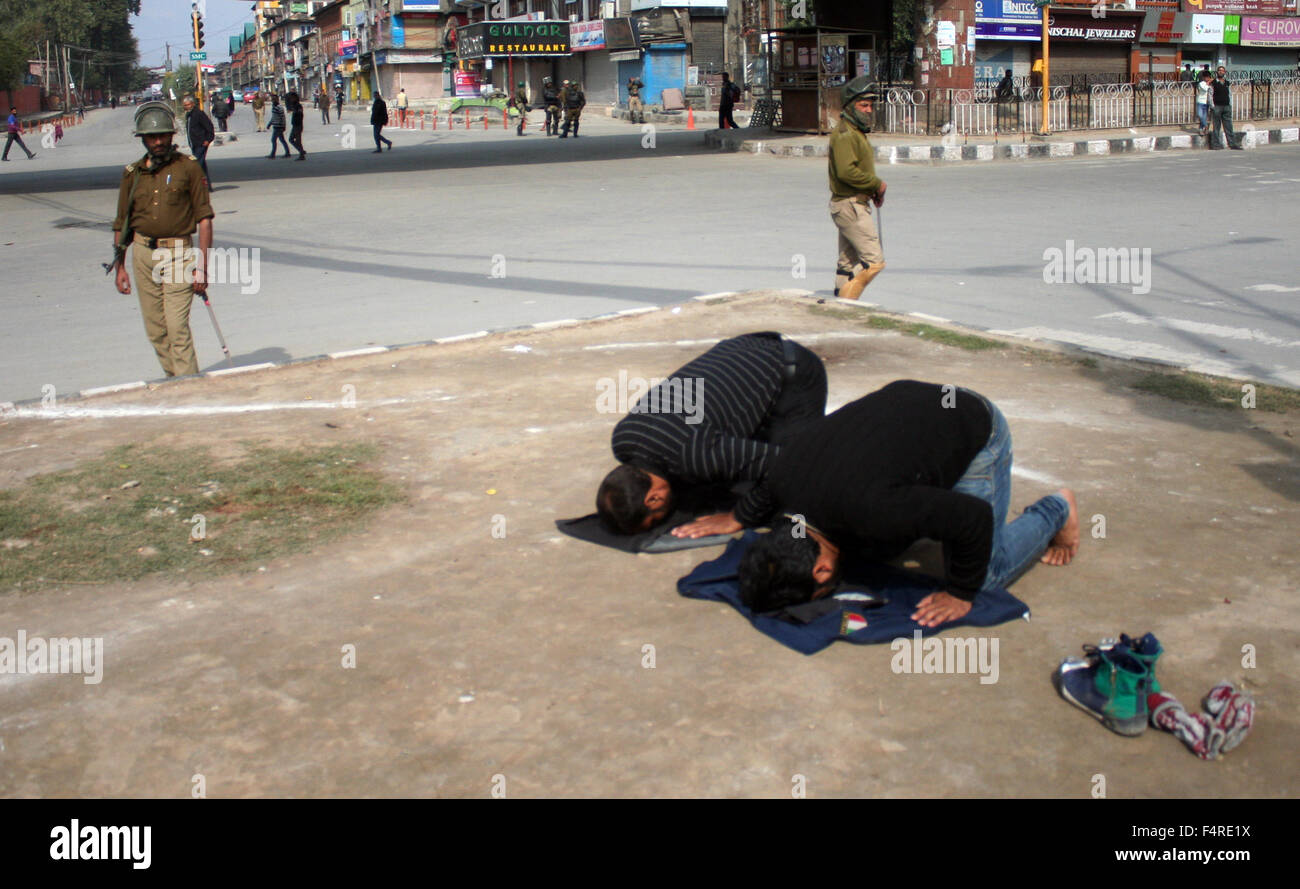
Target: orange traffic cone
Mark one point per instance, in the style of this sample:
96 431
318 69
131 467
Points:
690 118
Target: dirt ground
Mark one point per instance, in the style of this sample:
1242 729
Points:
515 661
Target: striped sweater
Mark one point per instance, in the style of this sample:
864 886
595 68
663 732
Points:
697 426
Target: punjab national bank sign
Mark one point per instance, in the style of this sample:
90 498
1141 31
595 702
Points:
513 39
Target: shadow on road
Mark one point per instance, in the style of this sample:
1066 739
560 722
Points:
440 152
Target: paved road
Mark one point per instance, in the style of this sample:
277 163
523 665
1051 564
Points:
462 231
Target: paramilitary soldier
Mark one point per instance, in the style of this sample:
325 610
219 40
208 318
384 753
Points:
520 101
162 199
855 188
551 99
635 110
574 101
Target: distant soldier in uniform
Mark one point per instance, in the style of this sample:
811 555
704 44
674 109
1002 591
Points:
635 110
574 101
259 109
551 100
520 101
162 199
855 188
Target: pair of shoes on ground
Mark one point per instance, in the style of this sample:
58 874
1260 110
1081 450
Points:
1228 717
1116 682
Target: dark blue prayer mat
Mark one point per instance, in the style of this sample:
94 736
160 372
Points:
874 603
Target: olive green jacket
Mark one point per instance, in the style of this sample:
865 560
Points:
852 164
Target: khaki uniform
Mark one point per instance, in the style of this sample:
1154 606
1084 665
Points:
853 181
169 200
551 99
635 109
520 102
259 105
574 100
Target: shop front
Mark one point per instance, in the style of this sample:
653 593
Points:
1099 48
1267 44
500 54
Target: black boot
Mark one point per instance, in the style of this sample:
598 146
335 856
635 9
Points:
575 128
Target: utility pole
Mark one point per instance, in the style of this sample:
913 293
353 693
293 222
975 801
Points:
67 81
1046 128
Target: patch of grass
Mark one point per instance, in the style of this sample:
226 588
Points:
82 526
1204 391
967 341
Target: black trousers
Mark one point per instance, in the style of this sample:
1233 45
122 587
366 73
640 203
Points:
724 116
379 127
802 397
14 137
201 155
295 139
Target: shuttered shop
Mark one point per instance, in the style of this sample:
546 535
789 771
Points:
422 32
707 47
1088 58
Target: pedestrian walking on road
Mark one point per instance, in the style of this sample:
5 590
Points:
162 200
14 134
1221 111
259 109
323 103
729 97
1203 92
277 126
855 189
220 111
199 133
338 101
230 105
402 105
379 120
294 104
551 100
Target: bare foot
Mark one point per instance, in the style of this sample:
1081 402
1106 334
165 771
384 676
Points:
1066 542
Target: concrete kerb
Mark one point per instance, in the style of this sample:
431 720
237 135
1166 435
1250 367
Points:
7 407
112 389
740 140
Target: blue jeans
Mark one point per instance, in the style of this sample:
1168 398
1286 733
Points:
1018 544
1203 112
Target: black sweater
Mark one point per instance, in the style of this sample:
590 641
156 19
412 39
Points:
876 476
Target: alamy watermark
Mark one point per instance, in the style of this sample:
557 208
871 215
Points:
951 654
637 395
225 265
76 655
1101 265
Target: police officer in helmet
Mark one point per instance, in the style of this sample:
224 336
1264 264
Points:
162 200
856 190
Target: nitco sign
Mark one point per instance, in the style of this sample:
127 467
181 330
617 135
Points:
513 39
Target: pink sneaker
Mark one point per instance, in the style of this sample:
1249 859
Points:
1195 730
1233 712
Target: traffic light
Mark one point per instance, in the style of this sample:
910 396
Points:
197 18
